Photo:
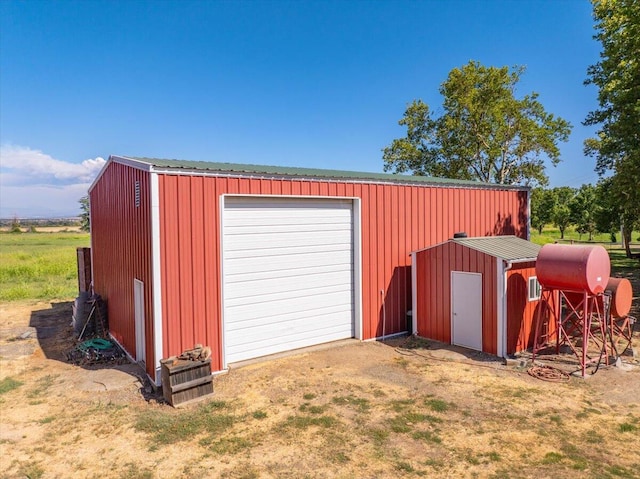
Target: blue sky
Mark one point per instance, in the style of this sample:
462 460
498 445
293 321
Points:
317 84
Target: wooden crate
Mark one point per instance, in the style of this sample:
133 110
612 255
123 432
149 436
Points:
185 381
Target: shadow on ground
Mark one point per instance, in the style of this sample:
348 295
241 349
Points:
441 350
54 333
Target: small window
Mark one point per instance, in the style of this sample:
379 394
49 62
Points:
534 289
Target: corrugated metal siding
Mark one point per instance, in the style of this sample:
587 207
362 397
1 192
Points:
520 311
121 251
396 219
433 289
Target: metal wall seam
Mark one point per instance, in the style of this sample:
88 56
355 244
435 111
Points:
528 213
357 266
414 293
156 269
221 322
501 298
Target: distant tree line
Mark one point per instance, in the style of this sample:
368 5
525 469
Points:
590 209
28 222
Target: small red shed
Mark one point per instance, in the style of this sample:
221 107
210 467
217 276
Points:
480 293
252 260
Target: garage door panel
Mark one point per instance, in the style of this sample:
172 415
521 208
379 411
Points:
269 252
291 329
269 205
262 348
275 315
288 274
304 220
300 300
260 308
287 209
269 289
255 346
241 221
276 240
286 262
295 273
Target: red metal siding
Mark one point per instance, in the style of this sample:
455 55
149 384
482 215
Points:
395 220
433 289
121 251
520 311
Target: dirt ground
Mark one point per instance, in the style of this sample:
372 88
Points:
353 409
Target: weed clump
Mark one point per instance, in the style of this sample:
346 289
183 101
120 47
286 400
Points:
169 427
552 458
305 422
437 405
9 384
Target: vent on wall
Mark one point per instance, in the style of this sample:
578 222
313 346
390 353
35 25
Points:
137 194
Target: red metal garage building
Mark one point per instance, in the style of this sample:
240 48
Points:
253 260
480 293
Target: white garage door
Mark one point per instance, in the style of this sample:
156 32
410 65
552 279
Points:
288 274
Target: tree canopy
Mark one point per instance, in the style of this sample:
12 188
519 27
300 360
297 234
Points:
584 209
543 203
485 133
616 147
85 224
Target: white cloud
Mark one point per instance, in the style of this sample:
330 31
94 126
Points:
35 163
34 184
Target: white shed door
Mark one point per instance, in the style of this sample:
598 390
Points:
288 274
466 310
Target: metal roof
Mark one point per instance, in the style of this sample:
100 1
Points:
237 168
509 248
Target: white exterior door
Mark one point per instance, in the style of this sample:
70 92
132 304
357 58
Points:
288 274
138 307
466 310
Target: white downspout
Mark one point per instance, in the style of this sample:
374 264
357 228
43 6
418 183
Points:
503 320
414 294
155 272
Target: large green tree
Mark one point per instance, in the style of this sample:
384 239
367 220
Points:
608 213
561 214
85 224
543 202
485 132
584 210
616 147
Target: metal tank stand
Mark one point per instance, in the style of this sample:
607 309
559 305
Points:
576 319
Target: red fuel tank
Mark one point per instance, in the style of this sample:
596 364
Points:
621 296
573 267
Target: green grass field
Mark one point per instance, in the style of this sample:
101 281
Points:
620 264
43 265
39 265
551 234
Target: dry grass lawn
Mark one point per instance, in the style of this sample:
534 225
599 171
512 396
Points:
366 410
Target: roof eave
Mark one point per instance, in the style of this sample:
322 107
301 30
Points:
521 260
253 171
123 160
